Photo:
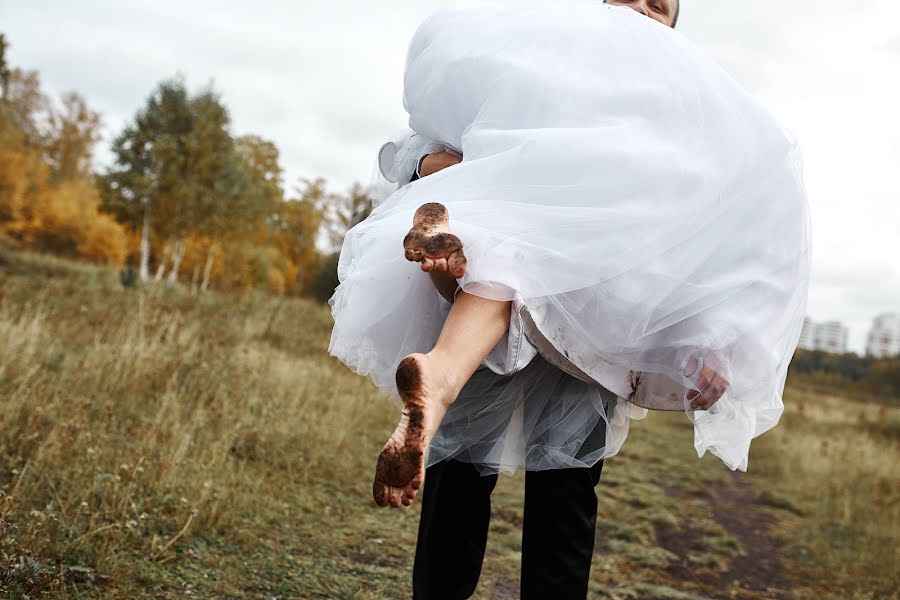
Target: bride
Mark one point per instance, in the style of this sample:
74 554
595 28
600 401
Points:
624 212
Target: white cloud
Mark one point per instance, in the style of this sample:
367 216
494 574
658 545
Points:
323 80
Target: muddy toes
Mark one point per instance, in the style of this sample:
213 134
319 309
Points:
430 242
456 264
380 493
408 496
418 245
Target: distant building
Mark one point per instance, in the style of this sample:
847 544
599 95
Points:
830 336
807 334
884 338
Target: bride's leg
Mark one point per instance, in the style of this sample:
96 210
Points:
428 384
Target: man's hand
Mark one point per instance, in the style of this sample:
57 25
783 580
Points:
709 384
438 161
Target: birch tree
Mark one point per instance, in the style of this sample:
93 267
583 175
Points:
218 179
147 178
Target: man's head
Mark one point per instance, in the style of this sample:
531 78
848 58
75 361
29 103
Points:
664 11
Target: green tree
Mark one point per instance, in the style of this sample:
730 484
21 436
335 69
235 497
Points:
176 173
247 193
4 67
326 279
213 178
149 171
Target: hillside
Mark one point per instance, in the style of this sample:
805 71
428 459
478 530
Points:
161 444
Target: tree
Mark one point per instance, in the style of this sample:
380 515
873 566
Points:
262 160
213 177
65 134
25 105
174 165
250 193
229 214
326 279
70 137
147 166
37 209
24 181
340 212
293 228
193 190
245 184
270 241
4 67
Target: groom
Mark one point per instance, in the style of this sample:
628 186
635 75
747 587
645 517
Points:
560 512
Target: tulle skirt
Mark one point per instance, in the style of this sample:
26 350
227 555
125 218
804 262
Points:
538 418
632 201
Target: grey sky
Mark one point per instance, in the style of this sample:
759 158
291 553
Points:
323 79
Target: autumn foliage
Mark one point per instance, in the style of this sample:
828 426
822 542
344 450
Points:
47 199
185 200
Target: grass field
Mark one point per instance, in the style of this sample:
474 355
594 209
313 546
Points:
158 444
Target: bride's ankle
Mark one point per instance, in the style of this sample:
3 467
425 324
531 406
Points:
444 376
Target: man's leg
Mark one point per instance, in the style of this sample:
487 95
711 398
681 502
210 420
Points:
558 532
453 529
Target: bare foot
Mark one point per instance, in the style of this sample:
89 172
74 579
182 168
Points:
431 243
426 393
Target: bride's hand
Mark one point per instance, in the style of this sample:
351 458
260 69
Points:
709 385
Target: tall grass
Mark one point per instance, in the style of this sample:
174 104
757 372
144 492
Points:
134 419
834 465
155 443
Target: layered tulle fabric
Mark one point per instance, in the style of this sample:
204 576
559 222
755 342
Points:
538 418
637 206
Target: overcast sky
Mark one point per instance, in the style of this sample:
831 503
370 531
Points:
323 79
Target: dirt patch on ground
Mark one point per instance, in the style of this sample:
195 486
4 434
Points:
506 515
760 568
505 589
375 560
601 543
756 572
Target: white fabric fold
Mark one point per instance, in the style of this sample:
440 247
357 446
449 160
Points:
634 202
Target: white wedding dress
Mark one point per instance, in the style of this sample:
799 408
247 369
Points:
636 205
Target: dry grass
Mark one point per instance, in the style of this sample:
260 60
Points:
833 468
148 432
160 444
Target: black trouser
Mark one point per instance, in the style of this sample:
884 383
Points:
557 532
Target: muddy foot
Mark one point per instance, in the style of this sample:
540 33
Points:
430 242
401 465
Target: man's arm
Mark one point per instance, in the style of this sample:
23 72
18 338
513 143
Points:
432 163
399 158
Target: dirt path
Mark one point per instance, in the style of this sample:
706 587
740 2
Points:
757 572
